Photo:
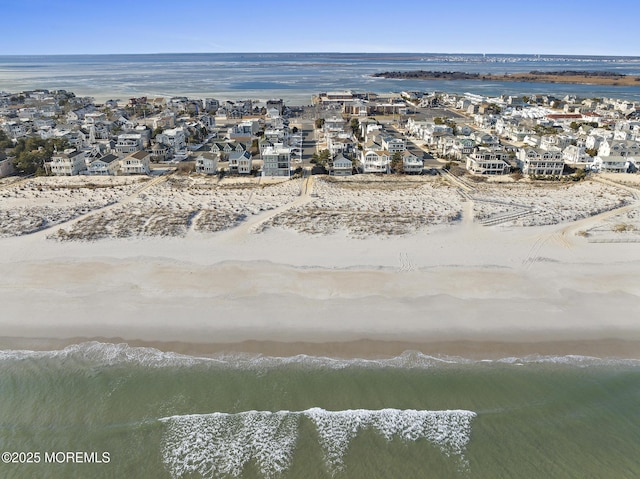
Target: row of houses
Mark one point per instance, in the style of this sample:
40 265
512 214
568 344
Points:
501 134
73 162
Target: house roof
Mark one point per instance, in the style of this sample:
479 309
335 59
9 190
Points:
107 159
139 155
236 155
209 155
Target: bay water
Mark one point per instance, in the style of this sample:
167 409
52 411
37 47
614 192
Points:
295 77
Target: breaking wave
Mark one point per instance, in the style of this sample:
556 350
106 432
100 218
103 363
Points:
221 444
112 354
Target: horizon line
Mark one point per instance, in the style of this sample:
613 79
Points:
325 53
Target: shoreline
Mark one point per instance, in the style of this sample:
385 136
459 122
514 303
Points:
606 349
267 285
579 78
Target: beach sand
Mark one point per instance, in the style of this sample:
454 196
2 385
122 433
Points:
279 281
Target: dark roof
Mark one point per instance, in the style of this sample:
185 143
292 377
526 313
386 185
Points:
108 158
139 155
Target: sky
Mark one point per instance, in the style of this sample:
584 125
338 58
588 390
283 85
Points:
587 27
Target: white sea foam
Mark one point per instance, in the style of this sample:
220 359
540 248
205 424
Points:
98 353
449 430
221 445
110 354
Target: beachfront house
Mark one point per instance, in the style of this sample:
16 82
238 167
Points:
375 161
207 163
276 161
69 163
108 165
539 162
240 162
411 164
136 164
488 162
614 164
341 167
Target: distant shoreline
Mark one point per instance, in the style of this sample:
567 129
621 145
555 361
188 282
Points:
569 77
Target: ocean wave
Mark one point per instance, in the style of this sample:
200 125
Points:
449 430
221 444
113 354
109 354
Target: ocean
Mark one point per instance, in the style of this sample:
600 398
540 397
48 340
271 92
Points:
110 410
294 77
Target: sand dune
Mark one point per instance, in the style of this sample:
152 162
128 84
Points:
357 260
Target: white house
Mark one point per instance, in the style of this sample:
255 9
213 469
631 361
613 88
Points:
129 143
69 163
173 137
276 161
207 163
459 148
375 161
246 129
411 164
341 166
612 164
106 166
619 148
488 162
136 163
535 161
340 144
575 154
393 145
240 162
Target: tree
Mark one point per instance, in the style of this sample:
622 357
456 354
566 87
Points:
319 123
156 131
321 158
397 165
5 141
31 153
591 151
355 128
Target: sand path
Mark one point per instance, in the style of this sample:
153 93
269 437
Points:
240 233
127 199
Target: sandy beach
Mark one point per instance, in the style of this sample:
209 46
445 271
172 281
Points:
365 266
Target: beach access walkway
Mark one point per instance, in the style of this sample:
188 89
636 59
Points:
51 231
252 223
